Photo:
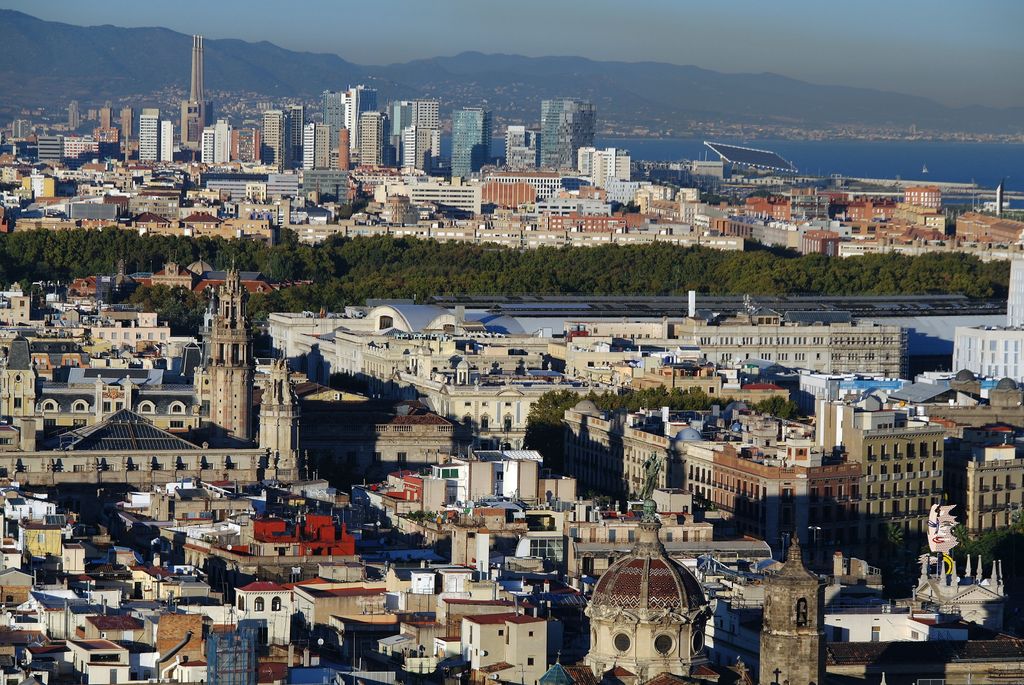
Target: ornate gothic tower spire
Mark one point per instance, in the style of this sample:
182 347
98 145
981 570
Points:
229 367
279 419
792 631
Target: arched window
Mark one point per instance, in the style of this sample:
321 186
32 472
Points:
385 322
177 408
50 406
801 612
508 424
257 604
80 406
241 602
147 407
275 604
485 422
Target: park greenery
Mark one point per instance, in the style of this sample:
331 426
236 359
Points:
347 271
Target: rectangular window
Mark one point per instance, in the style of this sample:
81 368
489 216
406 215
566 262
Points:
876 633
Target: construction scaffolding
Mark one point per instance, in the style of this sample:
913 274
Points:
231 656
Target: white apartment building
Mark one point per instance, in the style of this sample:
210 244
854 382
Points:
989 351
604 165
207 145
166 141
149 135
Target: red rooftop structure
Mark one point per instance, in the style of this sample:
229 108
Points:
315 536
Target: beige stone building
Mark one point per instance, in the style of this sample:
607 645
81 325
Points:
987 484
128 329
902 460
606 451
796 340
511 646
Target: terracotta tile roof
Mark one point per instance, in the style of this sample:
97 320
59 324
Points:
704 670
672 679
523 619
201 218
620 672
494 668
580 674
115 622
150 218
302 583
263 586
1003 648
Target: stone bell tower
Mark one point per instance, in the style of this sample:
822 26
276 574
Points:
279 418
792 632
228 375
18 381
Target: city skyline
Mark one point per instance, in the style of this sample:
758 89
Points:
933 59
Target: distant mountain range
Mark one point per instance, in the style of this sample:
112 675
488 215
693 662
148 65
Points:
49 63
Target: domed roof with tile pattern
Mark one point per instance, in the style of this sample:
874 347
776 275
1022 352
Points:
1006 384
647 578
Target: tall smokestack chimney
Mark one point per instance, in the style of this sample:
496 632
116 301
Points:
693 304
197 91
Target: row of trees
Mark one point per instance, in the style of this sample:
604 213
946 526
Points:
346 271
383 266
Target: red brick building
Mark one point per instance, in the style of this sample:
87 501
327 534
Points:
923 196
771 207
820 242
509 195
981 228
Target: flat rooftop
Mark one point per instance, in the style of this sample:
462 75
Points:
640 307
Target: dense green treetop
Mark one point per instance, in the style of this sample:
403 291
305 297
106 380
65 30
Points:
347 271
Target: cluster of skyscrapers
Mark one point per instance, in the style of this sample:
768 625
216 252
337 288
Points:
353 129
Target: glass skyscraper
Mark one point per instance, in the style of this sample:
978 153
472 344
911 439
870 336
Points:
333 106
471 140
566 125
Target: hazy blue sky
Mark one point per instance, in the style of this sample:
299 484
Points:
959 53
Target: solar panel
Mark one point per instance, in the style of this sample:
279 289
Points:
752 157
